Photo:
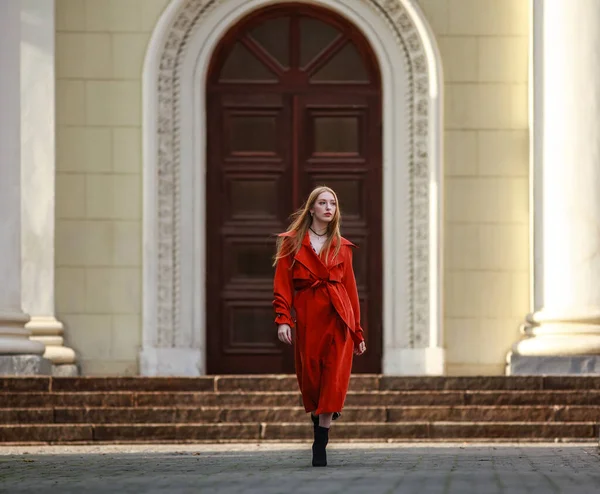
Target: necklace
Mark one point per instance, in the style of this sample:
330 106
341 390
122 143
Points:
317 234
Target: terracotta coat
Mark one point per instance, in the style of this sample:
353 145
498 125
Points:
327 324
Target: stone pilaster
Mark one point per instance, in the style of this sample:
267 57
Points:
18 354
38 173
562 335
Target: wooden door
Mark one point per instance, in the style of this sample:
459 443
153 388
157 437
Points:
294 101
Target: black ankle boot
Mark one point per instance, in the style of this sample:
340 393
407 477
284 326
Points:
318 448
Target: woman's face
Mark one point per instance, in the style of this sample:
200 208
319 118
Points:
324 207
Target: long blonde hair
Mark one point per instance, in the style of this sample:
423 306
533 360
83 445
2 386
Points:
301 221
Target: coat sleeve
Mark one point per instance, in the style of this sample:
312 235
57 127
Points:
283 291
350 284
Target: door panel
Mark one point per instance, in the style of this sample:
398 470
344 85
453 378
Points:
293 102
350 167
333 134
249 327
252 133
251 196
247 179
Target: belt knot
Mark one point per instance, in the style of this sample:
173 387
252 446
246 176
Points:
318 283
322 281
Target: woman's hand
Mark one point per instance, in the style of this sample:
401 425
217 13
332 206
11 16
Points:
284 333
360 349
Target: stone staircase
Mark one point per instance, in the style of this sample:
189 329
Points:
268 408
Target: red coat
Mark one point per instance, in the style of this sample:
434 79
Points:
327 324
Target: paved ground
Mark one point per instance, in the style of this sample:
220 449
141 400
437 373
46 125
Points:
284 468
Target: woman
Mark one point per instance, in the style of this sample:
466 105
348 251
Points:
314 277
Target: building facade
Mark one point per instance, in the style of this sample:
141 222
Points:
163 142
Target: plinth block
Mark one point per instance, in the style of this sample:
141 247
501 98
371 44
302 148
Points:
553 365
25 365
65 370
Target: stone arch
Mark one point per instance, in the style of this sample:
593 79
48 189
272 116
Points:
177 60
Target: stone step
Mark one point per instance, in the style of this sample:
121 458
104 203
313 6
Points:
251 408
441 430
401 431
187 415
284 382
292 399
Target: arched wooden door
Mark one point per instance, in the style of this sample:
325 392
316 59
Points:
294 101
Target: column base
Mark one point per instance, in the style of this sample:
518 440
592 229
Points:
48 330
527 365
556 334
55 351
414 361
14 337
557 343
24 365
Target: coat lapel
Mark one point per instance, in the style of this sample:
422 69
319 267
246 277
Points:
339 259
311 261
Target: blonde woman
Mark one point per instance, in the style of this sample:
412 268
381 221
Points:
314 277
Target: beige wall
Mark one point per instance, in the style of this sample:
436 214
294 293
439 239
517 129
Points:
100 50
484 48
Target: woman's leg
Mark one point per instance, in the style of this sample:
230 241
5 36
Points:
325 420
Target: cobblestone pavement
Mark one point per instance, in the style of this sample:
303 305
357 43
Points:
285 468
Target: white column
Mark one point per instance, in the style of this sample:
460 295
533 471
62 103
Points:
14 337
38 176
566 180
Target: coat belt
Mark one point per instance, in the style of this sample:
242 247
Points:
339 299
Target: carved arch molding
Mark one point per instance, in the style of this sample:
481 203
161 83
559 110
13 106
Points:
162 325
